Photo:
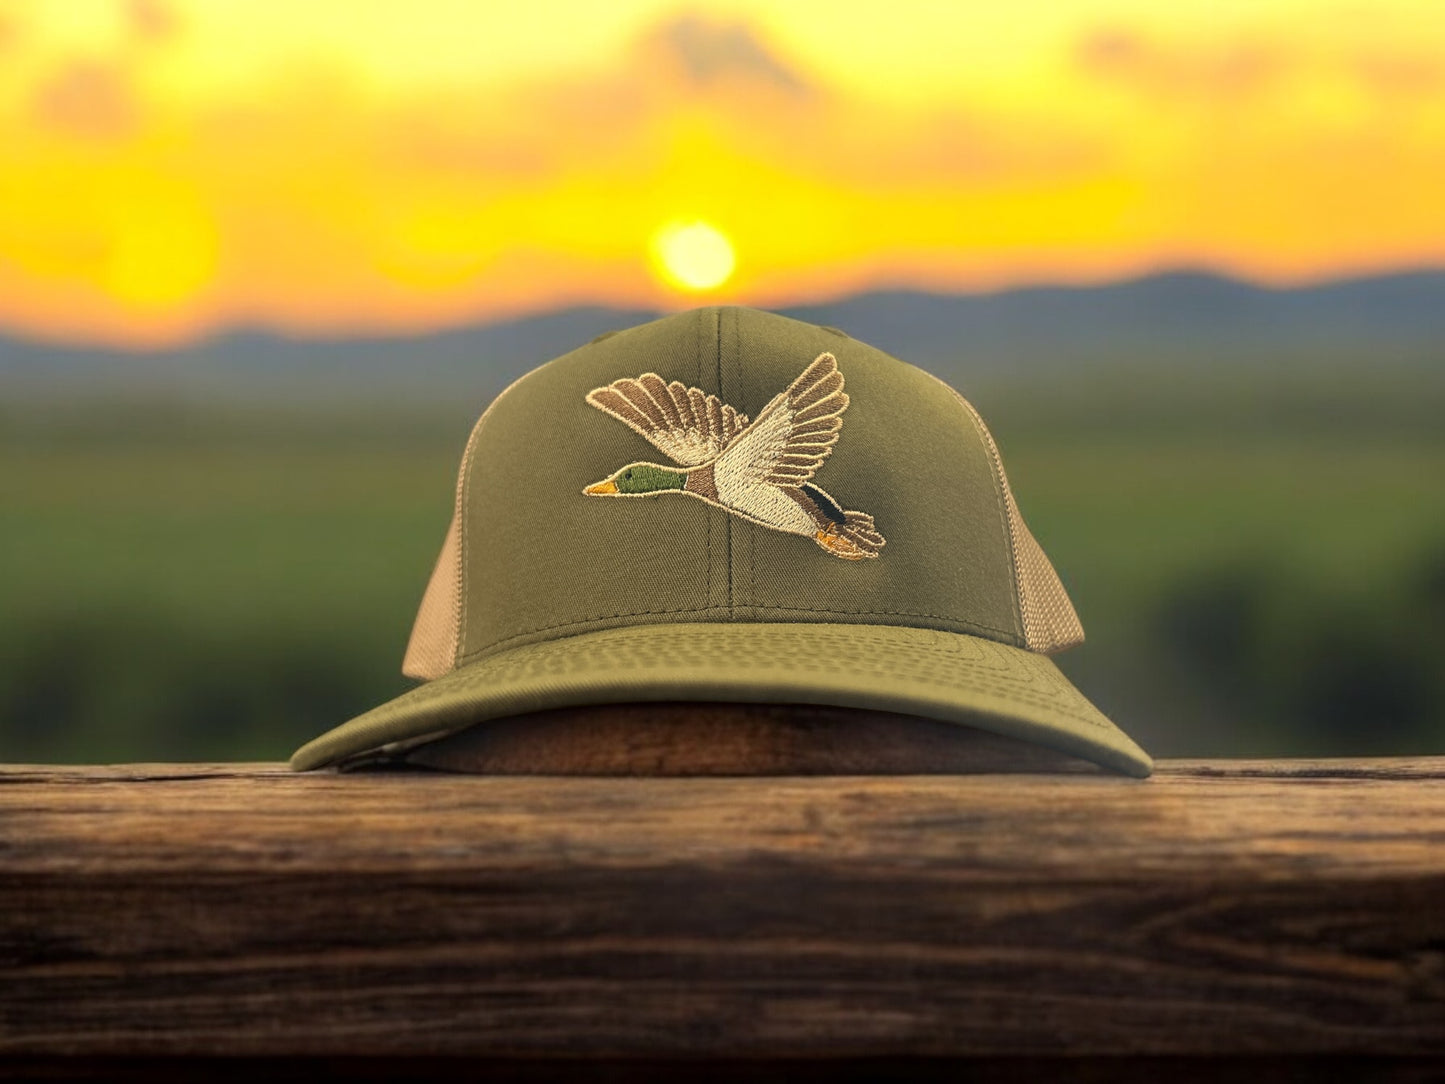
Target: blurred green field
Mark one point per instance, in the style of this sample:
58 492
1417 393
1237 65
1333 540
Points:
197 582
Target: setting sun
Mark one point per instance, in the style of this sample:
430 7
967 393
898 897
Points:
693 255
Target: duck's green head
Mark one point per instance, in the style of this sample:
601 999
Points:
638 478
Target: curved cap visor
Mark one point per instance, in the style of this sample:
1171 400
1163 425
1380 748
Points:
946 676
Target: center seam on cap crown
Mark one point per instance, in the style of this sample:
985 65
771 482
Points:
752 527
723 395
709 512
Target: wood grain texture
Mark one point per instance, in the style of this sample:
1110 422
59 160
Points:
1323 1069
1219 908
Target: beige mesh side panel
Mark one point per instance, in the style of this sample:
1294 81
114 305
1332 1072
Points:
432 649
1050 623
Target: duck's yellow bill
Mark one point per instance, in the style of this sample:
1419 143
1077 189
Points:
596 489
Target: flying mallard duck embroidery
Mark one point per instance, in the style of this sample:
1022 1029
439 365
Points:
760 471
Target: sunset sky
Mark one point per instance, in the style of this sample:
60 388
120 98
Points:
169 168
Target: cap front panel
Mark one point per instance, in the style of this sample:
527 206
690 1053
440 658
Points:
895 515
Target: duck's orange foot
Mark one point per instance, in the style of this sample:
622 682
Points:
839 546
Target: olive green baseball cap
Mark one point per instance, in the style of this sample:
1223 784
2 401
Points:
729 505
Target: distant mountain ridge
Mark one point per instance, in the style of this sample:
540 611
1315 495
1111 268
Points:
1182 318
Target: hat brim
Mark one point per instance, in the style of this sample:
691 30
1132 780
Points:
946 676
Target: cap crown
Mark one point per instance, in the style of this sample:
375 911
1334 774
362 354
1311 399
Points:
530 557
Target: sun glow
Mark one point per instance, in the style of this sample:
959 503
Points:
693 255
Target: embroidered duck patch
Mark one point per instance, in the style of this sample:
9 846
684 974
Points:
762 471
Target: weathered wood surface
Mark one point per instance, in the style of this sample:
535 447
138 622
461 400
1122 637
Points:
1239 908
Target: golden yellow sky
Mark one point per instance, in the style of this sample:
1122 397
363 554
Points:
171 167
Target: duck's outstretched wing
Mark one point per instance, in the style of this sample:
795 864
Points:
794 433
686 424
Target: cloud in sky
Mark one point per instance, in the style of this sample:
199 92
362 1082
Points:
152 20
9 32
712 54
152 186
1394 74
89 99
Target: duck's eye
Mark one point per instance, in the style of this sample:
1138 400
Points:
628 476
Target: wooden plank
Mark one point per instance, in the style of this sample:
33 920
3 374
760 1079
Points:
996 1070
1220 908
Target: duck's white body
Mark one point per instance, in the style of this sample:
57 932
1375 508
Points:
767 504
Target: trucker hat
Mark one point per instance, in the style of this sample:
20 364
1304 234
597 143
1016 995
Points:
730 505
